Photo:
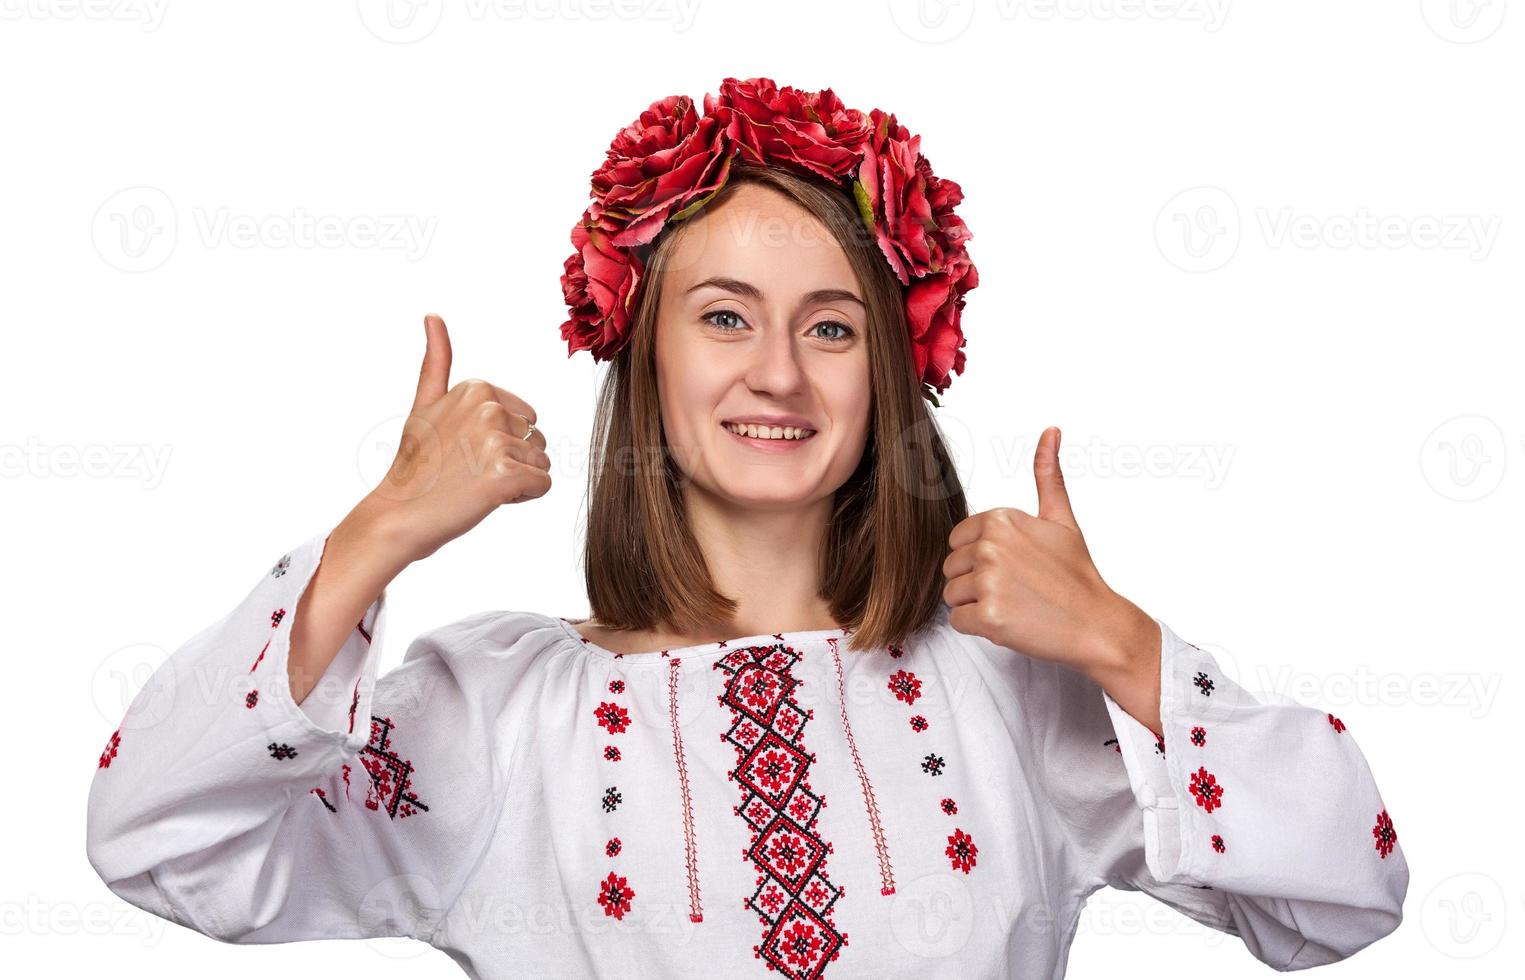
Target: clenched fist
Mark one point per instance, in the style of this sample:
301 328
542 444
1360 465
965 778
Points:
1027 582
465 451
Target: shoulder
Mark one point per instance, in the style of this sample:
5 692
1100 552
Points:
1050 695
493 647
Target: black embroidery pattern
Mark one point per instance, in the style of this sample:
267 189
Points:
391 788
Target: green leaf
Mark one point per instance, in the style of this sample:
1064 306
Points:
865 208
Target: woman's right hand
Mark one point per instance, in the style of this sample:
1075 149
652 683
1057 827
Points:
462 455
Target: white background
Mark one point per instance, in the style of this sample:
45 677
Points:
1260 261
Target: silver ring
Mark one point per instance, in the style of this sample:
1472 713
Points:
531 430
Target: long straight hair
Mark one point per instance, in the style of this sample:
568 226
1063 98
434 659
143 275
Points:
881 561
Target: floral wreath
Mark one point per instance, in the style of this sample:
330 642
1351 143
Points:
668 163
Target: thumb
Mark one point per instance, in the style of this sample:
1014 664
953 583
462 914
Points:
434 375
1053 498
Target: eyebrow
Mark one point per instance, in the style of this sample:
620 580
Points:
750 291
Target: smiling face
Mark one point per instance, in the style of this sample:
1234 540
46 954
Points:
762 353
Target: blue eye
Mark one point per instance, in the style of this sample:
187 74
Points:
846 330
714 313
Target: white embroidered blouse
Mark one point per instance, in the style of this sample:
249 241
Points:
535 805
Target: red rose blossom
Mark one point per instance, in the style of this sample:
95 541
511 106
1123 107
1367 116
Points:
811 131
665 161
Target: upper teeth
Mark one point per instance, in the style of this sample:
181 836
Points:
768 432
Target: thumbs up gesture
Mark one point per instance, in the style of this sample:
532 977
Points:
1027 583
465 451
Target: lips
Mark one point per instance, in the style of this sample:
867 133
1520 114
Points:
768 432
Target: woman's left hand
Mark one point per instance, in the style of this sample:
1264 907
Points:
1028 583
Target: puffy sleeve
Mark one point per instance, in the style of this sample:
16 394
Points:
1259 819
221 804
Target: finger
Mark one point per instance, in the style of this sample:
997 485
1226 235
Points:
961 590
527 453
514 424
959 561
967 530
434 374
508 400
1053 498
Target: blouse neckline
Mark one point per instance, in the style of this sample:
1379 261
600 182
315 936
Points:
713 648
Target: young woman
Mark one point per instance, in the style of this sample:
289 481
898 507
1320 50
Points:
824 722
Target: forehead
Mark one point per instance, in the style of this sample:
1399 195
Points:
759 235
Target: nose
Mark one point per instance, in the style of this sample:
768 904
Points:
775 366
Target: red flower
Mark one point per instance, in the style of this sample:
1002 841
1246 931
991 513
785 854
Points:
612 717
809 131
773 769
905 685
1385 834
614 895
668 160
802 946
911 212
110 751
1204 785
961 850
1218 843
598 284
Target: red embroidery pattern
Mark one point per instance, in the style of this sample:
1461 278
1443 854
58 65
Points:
252 698
918 723
793 898
949 807
260 657
111 747
905 685
881 846
1204 786
614 718
1217 840
1385 834
961 850
391 787
1339 726
354 702
614 895
614 891
695 907
1198 735
323 798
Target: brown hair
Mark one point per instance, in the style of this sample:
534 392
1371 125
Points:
881 566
